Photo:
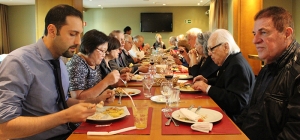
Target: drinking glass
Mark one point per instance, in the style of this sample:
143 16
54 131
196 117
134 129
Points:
148 82
166 91
169 74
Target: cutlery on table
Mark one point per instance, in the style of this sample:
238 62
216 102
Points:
191 107
168 116
199 107
135 71
124 81
120 98
103 125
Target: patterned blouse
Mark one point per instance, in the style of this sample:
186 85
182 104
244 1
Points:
81 75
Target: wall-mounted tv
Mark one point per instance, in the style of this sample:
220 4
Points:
156 22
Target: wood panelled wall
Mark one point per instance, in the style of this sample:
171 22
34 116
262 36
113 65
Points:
243 20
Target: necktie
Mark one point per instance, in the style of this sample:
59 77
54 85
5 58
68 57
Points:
58 82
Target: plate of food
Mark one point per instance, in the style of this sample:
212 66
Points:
205 115
109 113
137 77
130 91
160 99
186 87
184 77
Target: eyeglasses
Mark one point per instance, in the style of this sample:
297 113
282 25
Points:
102 51
212 48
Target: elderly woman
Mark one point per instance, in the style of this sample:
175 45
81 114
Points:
112 53
84 69
158 43
182 58
200 62
232 88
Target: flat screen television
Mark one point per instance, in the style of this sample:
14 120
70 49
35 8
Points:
156 22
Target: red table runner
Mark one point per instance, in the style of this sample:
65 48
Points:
127 121
138 96
224 126
195 95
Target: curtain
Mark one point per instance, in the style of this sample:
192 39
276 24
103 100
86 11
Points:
218 15
4 37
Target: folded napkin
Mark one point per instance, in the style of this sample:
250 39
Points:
185 113
202 126
111 132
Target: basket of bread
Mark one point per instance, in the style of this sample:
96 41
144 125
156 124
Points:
159 78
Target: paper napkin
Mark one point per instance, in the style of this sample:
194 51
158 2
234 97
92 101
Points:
202 126
188 114
111 132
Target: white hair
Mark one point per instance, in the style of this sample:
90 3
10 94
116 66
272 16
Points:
172 40
193 32
136 38
223 36
126 37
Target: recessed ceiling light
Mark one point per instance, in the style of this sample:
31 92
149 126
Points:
198 3
99 5
201 1
164 4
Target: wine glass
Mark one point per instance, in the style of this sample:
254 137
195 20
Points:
169 74
166 91
148 82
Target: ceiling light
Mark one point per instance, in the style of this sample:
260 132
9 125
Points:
198 3
201 1
99 5
164 4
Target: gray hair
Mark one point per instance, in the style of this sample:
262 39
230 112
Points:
223 36
137 37
202 39
114 33
127 36
180 37
193 32
172 40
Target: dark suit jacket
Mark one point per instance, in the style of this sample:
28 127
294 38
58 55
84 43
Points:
232 88
127 59
209 69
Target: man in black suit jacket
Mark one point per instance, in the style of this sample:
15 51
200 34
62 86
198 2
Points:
232 88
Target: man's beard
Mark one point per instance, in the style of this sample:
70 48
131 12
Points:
68 53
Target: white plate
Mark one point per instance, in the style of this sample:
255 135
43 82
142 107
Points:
106 117
137 77
136 91
159 99
185 77
211 115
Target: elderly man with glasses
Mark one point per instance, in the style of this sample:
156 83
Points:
232 88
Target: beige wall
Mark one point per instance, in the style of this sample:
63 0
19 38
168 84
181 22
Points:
109 19
21 25
296 17
292 6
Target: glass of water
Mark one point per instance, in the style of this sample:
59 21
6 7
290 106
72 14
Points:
166 91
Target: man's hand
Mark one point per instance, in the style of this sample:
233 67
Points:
124 70
200 78
200 85
79 112
143 69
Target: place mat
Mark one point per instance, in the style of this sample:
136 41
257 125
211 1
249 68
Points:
196 95
140 96
127 121
224 126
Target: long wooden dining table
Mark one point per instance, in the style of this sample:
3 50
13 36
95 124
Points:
157 120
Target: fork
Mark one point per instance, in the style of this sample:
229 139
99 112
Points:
199 107
167 115
124 81
191 107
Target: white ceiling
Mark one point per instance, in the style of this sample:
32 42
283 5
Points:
121 3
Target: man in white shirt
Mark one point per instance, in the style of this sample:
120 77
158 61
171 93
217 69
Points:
138 50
